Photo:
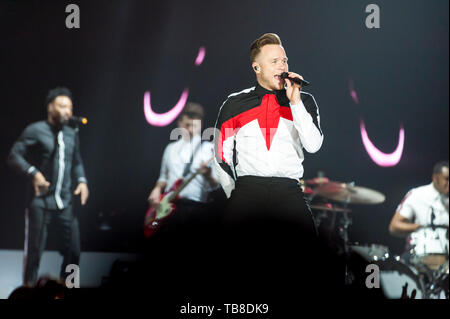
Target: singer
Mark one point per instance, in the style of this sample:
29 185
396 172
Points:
260 136
48 154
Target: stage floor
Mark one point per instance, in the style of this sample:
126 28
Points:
94 267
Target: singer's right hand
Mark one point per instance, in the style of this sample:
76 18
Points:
40 184
293 89
154 197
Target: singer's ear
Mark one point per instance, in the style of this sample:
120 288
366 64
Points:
255 67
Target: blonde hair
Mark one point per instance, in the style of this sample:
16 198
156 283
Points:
265 39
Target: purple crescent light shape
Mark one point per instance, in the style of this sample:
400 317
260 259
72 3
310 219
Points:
380 158
163 119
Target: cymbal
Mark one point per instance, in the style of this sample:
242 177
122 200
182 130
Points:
347 193
317 181
329 208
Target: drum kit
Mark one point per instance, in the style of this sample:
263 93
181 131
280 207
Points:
423 268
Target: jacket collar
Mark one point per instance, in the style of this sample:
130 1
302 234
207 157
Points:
54 128
280 94
263 91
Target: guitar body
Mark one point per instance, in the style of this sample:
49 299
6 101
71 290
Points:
155 216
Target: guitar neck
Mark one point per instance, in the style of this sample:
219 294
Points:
185 182
175 193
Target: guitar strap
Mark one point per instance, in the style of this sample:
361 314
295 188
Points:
187 168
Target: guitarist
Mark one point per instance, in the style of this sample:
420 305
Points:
182 158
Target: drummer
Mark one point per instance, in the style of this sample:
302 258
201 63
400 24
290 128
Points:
424 207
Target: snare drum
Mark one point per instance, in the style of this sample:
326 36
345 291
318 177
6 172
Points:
429 247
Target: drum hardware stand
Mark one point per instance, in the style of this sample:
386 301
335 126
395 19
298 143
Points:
346 193
333 221
332 226
345 222
431 283
320 217
431 289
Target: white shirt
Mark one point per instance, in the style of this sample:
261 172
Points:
176 156
419 202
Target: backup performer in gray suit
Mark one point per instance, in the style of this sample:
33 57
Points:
48 153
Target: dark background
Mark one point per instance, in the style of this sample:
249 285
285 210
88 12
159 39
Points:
125 48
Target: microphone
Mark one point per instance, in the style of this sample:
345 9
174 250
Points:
78 120
301 82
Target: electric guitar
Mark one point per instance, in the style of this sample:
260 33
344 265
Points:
167 205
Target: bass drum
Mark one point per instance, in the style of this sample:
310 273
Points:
429 248
395 274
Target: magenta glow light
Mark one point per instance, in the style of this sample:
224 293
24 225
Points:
164 119
200 56
380 158
353 92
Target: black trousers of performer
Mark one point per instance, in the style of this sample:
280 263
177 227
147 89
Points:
269 199
271 245
39 220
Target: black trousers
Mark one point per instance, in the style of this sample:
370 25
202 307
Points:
274 200
271 242
37 221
